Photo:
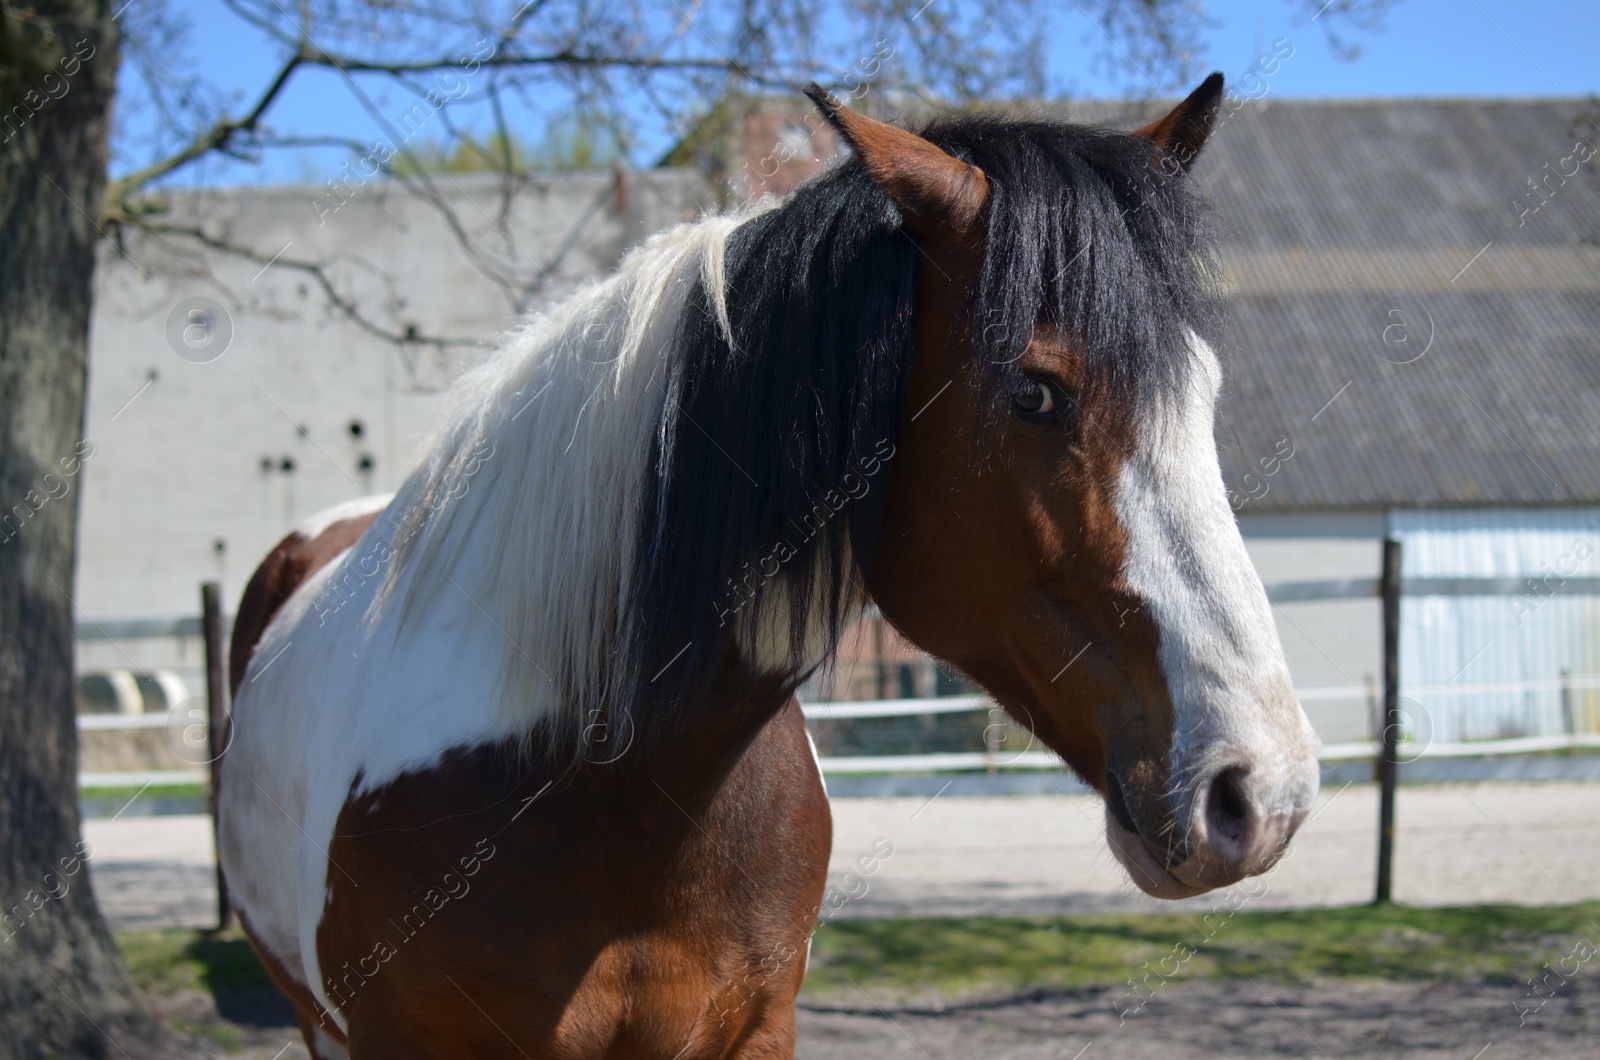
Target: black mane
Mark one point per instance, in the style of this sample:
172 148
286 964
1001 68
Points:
774 455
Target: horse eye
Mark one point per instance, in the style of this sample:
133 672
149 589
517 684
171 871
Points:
1035 399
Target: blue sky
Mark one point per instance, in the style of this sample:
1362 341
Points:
1431 48
1427 48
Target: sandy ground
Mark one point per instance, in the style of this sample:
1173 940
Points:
1230 1019
1184 1021
1524 843
1024 855
1455 844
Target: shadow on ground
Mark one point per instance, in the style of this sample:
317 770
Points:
239 986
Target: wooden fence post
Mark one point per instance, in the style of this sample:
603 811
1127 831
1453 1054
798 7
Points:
213 627
1569 717
1388 768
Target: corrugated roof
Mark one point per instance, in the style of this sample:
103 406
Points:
1404 319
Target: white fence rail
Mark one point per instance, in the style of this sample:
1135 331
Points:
1368 588
959 761
1341 752
1285 592
113 722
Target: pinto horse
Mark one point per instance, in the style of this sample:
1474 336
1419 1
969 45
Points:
515 765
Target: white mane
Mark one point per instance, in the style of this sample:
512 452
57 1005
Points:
538 475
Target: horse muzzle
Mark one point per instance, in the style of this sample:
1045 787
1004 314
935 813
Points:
1234 820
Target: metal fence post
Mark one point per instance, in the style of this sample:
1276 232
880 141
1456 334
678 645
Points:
1388 768
212 626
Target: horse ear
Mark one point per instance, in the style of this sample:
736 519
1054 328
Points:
1183 132
939 195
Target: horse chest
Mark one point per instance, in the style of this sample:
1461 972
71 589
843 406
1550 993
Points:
623 914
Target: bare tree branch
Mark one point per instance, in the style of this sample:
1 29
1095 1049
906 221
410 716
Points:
218 138
569 59
318 271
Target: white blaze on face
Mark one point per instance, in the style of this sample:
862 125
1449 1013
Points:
1231 694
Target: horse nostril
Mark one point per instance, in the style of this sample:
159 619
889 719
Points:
1228 811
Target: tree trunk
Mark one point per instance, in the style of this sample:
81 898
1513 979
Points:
64 989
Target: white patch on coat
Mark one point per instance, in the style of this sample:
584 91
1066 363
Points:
486 598
1219 650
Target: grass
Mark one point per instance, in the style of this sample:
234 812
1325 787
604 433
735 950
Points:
956 959
152 791
174 960
963 959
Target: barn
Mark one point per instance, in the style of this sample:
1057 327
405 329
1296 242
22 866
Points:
1417 304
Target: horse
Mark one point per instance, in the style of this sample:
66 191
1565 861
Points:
515 766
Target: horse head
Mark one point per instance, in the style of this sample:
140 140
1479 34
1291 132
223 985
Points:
1056 525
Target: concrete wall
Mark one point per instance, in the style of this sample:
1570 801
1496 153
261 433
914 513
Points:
1334 647
197 468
